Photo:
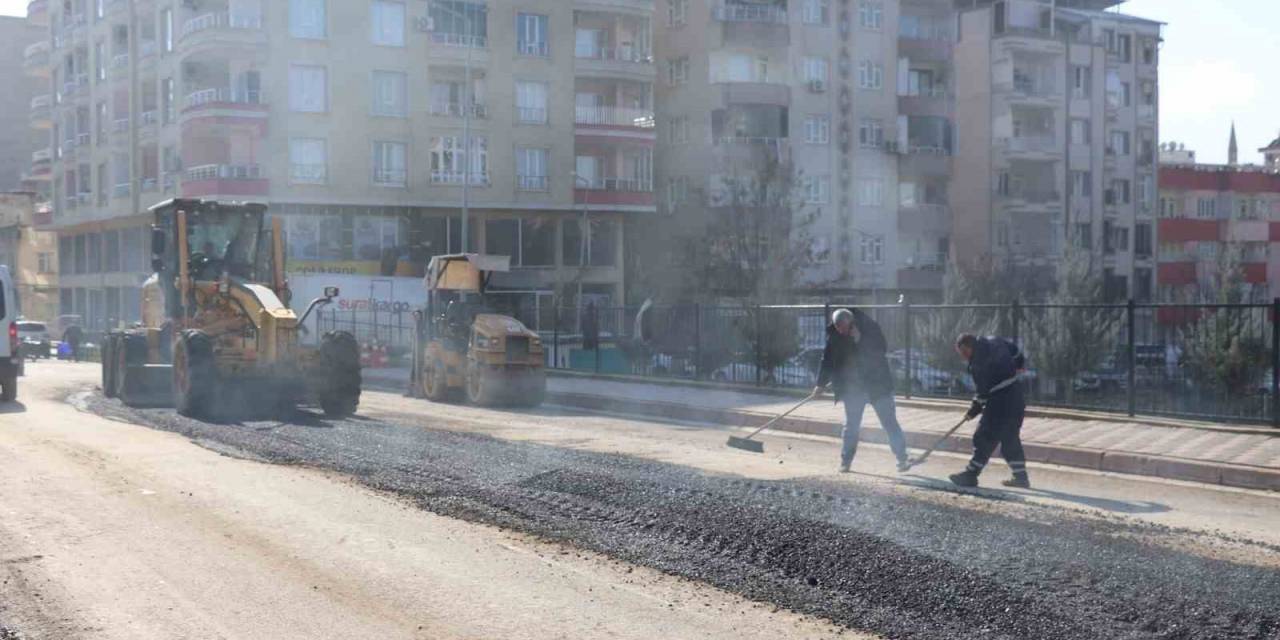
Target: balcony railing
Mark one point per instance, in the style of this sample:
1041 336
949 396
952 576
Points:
767 141
120 190
36 55
120 61
42 156
613 54
450 39
1032 143
150 116
83 139
536 49
150 185
308 173
456 110
225 172
120 125
926 149
459 177
532 183
1036 196
614 117
41 102
925 260
531 115
732 12
626 185
223 95
391 177
221 20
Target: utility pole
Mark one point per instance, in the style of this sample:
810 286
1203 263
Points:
468 100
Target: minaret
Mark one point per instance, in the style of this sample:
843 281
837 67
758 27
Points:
1233 150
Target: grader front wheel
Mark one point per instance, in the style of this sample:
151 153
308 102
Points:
340 358
484 388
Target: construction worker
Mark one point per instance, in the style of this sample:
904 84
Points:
854 364
995 364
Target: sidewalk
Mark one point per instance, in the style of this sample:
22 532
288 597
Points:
1244 457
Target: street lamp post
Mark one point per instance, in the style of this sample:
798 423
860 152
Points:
583 231
468 40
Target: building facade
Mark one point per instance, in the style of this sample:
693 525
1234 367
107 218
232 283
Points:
1057 148
368 127
23 103
1215 217
30 254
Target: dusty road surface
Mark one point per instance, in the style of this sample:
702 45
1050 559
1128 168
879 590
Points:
384 526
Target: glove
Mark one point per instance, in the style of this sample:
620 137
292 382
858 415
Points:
975 410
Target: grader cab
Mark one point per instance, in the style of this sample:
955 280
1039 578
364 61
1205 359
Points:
466 348
216 321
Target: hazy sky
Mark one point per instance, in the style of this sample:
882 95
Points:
1218 64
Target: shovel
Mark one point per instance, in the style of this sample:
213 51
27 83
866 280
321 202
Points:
919 460
755 446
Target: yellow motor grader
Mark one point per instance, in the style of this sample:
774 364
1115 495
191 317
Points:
465 348
216 322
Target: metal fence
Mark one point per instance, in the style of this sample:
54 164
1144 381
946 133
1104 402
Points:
1217 362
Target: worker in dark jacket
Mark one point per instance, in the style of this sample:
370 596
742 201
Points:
995 364
855 367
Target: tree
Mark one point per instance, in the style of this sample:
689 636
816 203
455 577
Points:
935 332
750 247
1224 350
1069 337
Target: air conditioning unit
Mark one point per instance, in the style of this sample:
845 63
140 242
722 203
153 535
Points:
425 23
818 86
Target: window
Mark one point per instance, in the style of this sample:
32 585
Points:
447 98
531 102
741 67
308 89
1206 207
44 262
872 250
307 19
679 131
1123 48
387 21
104 184
1083 238
817 129
870 133
602 243
870 75
816 12
1207 250
1119 144
167 111
531 35
100 61
101 123
390 94
1119 192
1080 132
870 192
449 160
460 23
1080 81
530 242
1082 184
815 71
531 169
1002 235
677 12
677 191
1146 193
1148 51
1126 94
678 71
308 161
166 30
389 164
871 14
374 237
817 189
1142 240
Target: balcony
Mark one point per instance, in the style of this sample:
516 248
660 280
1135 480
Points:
1031 145
748 93
925 44
38 12
459 178
456 110
925 160
221 29
923 219
627 61
42 112
42 165
622 117
755 24
223 106
224 180
923 272
1033 197
532 183
614 191
305 173
458 47
934 101
120 190
119 64
35 59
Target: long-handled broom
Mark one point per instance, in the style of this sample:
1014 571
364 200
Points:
755 446
918 460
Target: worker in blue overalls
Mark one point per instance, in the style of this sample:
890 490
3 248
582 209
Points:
995 364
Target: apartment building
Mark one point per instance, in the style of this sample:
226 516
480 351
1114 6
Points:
808 85
369 127
1214 215
1058 104
23 103
30 255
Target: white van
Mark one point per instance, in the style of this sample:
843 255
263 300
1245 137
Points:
10 353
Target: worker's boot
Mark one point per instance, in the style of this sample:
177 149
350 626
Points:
904 465
1018 481
966 478
844 466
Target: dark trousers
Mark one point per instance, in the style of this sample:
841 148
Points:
1001 426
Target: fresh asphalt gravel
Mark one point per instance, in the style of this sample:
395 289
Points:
886 563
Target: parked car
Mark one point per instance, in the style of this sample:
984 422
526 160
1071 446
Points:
800 370
35 339
926 377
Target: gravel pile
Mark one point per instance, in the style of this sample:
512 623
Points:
893 565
